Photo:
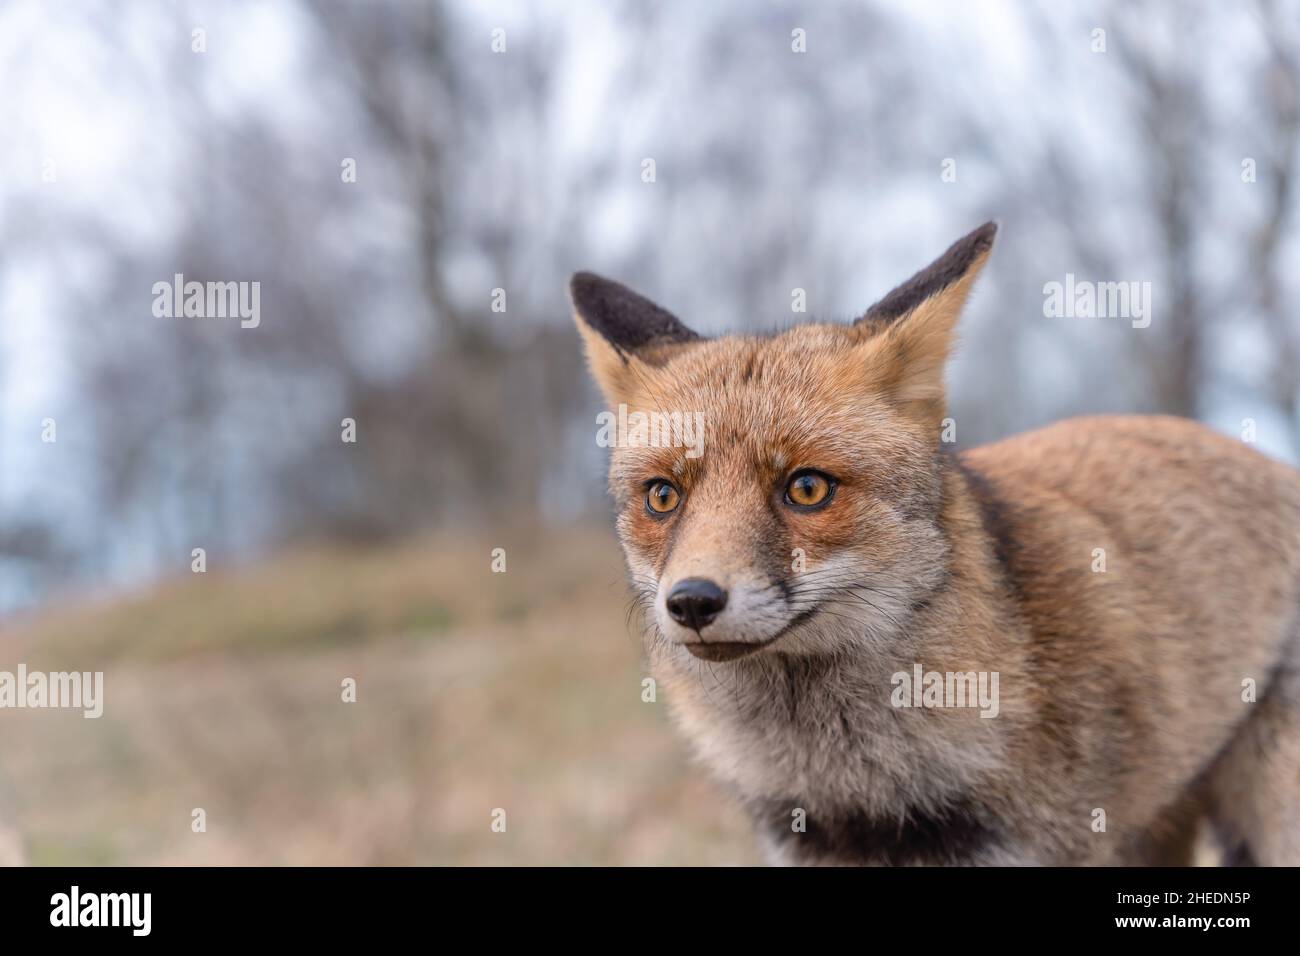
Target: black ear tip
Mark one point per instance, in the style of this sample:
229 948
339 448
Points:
982 238
956 262
627 320
976 243
581 284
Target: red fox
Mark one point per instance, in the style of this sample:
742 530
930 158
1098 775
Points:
1068 647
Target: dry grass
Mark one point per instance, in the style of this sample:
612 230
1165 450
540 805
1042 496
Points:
475 691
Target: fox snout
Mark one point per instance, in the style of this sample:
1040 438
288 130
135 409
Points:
695 602
720 619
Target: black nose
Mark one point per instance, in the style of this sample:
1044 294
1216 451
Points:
695 602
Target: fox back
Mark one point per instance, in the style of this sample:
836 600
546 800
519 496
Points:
1067 647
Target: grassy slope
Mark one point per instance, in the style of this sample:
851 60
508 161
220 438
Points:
475 691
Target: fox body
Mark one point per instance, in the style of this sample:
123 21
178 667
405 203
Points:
1132 584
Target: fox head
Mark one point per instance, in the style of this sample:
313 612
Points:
807 518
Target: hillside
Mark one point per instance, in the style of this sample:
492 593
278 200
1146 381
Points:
475 691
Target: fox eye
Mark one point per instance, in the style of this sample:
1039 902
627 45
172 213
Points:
661 497
809 489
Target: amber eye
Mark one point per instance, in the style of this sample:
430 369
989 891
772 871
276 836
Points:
808 489
661 497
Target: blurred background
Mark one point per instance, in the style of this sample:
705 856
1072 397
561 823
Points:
411 183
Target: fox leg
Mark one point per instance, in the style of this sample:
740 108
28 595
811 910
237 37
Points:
1254 786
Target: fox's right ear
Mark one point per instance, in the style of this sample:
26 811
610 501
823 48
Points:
908 334
622 330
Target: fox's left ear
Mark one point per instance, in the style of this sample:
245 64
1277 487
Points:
908 334
624 333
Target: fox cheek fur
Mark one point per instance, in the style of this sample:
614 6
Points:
779 630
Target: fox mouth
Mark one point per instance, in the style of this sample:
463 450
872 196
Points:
734 650
725 650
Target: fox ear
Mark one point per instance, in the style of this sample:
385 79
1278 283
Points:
622 330
909 333
962 261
